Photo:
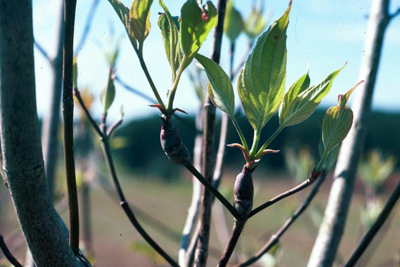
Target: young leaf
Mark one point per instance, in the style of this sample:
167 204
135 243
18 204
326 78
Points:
108 94
169 27
233 24
261 83
123 13
301 100
140 19
220 89
255 23
337 122
75 72
195 26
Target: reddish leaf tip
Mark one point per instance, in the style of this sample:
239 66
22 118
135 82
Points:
204 16
339 97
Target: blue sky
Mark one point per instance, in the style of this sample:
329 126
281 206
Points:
324 33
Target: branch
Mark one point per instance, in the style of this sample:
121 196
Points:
135 91
10 257
88 24
366 240
125 206
275 238
42 51
68 114
212 189
286 194
238 227
395 14
104 136
208 151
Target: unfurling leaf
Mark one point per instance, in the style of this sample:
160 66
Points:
233 24
195 26
139 16
337 122
255 23
261 82
108 94
220 89
123 13
301 100
169 27
75 72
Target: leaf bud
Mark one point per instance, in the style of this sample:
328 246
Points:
244 192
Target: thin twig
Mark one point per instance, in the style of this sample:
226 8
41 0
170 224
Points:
194 208
208 151
125 206
10 257
114 126
395 14
94 124
68 113
286 194
240 65
366 240
212 189
88 24
275 238
42 51
135 91
238 227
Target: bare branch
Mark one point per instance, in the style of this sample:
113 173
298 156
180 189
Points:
395 14
366 240
10 257
88 24
275 238
135 91
43 51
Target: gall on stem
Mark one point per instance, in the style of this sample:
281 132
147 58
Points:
244 193
171 141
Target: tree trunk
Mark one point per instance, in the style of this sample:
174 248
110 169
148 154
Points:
23 168
334 221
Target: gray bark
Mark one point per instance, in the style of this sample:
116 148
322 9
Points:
51 122
332 227
23 168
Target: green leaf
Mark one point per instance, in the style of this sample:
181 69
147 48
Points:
140 19
337 122
233 24
300 101
75 72
108 94
195 27
123 13
255 23
169 27
220 89
261 83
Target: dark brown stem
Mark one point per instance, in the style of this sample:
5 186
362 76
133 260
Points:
94 124
125 206
286 194
212 189
366 240
10 257
275 238
208 151
238 227
68 114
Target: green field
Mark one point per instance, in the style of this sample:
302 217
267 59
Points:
116 242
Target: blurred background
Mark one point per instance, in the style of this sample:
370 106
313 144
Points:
324 34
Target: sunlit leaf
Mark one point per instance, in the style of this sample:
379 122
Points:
195 27
220 89
233 24
255 23
301 100
337 122
139 15
123 13
108 94
169 27
261 83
